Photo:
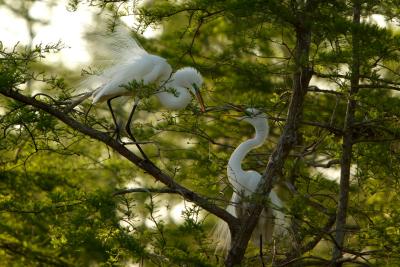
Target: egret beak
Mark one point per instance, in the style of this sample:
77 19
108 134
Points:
199 98
238 108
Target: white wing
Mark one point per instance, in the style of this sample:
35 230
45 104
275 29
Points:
122 46
128 61
122 52
119 75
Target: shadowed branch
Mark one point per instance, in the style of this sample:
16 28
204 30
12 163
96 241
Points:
145 165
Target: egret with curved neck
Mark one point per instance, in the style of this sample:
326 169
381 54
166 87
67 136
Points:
245 182
184 83
132 63
239 178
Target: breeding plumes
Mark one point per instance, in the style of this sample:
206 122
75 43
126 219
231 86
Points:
131 63
244 182
145 69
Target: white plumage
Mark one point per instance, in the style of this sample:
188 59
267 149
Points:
145 68
272 220
179 89
130 62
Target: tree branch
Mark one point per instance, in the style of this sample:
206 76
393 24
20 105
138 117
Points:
347 147
292 256
325 165
146 166
146 190
376 83
328 127
41 257
301 79
316 89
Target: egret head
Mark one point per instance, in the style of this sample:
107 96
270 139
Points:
256 118
190 79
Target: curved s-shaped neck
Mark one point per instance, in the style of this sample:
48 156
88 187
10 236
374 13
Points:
234 168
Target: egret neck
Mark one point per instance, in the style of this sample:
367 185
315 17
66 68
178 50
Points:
234 168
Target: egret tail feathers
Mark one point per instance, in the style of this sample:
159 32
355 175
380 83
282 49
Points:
221 233
281 222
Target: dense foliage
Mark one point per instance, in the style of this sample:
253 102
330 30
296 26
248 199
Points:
61 197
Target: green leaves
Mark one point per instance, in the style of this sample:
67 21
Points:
56 185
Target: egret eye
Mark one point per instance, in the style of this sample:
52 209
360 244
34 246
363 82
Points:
195 87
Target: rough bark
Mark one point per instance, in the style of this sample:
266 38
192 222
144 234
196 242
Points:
301 78
347 140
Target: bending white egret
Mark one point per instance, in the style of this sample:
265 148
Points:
244 183
132 63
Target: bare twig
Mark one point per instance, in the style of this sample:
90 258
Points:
325 165
316 89
146 190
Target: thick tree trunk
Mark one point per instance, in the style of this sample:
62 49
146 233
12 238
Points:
301 78
347 146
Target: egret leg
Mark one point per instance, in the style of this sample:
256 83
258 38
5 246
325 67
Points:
261 252
114 119
128 130
87 112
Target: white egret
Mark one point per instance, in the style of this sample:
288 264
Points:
132 63
244 182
